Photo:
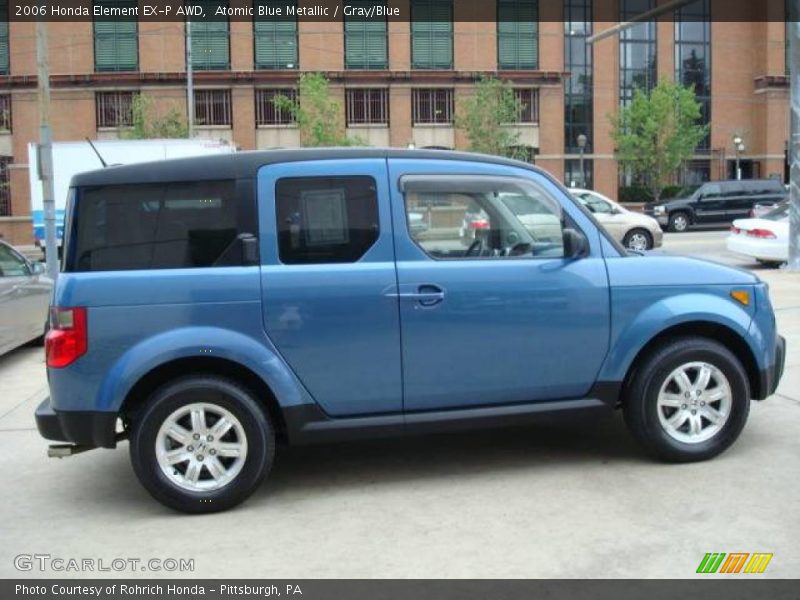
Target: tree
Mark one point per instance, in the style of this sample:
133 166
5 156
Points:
485 118
318 116
151 124
657 132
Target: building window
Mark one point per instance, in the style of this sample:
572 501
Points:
114 109
432 106
573 176
5 113
3 37
693 56
365 41
432 34
116 41
275 38
367 106
578 98
5 187
637 51
210 39
269 114
527 105
518 34
696 173
212 107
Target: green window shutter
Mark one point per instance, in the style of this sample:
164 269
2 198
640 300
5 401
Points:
210 41
4 66
518 34
275 42
432 34
116 43
365 41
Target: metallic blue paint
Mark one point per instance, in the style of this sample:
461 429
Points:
506 331
338 336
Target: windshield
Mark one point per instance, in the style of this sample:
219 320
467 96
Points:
780 213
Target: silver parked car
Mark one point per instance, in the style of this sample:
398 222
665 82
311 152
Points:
634 230
24 299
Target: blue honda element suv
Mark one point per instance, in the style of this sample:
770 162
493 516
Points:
212 307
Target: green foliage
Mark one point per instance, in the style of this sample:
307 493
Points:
656 133
318 116
485 118
149 124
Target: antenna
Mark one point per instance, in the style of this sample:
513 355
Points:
102 162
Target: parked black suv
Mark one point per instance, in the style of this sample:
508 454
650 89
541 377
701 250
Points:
716 203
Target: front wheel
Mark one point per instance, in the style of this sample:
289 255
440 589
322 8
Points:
689 401
678 222
201 444
638 239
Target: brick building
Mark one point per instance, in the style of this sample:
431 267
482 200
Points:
399 83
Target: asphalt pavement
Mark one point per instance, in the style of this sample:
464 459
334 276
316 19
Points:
554 501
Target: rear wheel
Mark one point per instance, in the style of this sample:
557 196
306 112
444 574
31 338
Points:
772 264
678 222
638 239
689 401
201 444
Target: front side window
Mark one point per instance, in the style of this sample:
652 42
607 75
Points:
476 217
12 264
325 220
156 226
594 203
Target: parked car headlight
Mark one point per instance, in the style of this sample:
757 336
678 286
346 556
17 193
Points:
659 210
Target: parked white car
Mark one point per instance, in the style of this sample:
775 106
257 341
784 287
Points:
635 231
24 299
766 239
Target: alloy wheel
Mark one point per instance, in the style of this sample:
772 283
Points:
694 402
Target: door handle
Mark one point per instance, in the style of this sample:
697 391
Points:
426 295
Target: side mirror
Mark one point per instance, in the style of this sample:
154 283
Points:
38 268
249 245
575 244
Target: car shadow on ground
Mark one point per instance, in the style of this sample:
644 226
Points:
301 471
415 458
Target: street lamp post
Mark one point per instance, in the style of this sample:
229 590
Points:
582 139
738 145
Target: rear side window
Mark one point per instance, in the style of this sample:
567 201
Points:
326 219
155 226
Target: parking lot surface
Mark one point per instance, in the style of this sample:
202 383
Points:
558 500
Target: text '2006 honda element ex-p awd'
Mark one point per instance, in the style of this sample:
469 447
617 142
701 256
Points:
211 307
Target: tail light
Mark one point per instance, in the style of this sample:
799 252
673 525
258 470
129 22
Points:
67 339
764 234
479 224
735 230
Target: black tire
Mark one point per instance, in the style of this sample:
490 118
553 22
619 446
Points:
772 264
217 391
629 237
679 221
640 400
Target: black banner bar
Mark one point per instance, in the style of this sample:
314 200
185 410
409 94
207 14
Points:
741 587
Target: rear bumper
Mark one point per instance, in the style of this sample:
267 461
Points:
83 428
771 377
